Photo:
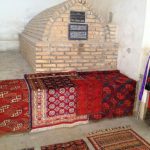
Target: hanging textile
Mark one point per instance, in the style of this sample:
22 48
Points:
144 79
147 87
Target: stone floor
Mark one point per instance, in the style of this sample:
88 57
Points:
13 66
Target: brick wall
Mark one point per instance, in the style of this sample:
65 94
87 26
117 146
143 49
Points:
45 43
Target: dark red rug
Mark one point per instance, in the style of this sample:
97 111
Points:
118 93
14 109
73 145
89 96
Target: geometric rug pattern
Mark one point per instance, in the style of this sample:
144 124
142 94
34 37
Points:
122 138
14 107
73 145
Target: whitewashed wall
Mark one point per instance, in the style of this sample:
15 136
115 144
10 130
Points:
144 57
146 38
129 15
14 15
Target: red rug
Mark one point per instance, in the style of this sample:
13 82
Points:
58 98
53 100
14 110
118 93
74 145
89 96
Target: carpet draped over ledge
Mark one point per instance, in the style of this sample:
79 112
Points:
65 99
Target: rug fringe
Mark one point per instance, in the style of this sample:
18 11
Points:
109 129
59 126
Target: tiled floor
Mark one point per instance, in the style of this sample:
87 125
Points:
13 66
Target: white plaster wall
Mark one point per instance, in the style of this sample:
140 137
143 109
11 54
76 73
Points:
144 57
14 15
129 15
146 39
101 6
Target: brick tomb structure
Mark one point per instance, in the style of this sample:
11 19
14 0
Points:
70 36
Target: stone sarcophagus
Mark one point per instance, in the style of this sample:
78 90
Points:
70 36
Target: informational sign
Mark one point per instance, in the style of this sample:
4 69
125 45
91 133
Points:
77 17
78 31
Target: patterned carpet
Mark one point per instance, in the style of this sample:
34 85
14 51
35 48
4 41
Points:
53 100
64 99
118 93
118 139
14 110
74 145
74 95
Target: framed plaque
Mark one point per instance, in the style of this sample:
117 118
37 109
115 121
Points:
77 17
78 31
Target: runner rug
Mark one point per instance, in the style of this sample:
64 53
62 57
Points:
14 109
74 145
118 139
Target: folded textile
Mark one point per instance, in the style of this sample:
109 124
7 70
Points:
118 95
122 96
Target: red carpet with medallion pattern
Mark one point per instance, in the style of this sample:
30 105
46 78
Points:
53 100
64 99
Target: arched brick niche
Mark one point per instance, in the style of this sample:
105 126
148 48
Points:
46 46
